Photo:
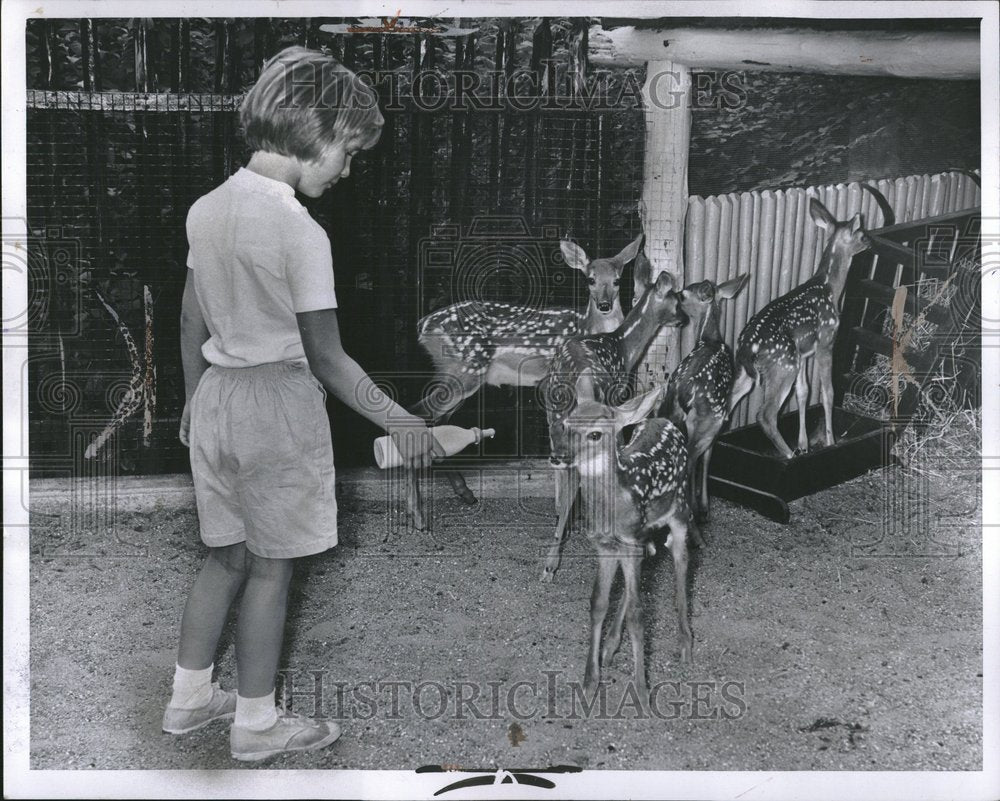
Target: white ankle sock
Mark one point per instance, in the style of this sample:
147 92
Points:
256 714
192 688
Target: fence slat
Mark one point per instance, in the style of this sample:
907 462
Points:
732 330
938 193
765 247
788 244
713 212
774 267
694 259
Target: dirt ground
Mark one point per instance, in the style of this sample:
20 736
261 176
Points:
832 643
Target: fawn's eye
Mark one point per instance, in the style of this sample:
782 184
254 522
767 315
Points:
592 281
594 436
617 281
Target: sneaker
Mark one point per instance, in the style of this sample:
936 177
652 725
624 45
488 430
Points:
222 706
290 732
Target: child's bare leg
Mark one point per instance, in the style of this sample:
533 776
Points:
208 604
261 624
194 700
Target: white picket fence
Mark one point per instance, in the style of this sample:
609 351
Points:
771 235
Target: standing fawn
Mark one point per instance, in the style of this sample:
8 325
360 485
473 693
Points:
473 343
598 367
773 347
698 390
627 494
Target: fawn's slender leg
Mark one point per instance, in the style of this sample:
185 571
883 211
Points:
631 565
607 566
699 443
678 549
435 407
741 386
802 398
567 484
614 638
455 477
824 368
414 505
777 384
705 457
692 482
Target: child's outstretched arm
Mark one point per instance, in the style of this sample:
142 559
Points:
348 381
194 334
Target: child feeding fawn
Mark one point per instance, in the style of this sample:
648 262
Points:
260 347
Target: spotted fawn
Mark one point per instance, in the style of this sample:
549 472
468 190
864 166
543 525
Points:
698 390
775 343
628 493
472 343
598 367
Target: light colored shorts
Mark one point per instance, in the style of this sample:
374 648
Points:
262 460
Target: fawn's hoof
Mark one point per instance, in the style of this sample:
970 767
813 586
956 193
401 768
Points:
608 655
686 657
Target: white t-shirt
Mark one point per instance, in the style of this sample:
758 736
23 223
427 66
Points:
258 259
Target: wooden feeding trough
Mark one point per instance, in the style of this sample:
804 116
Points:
745 467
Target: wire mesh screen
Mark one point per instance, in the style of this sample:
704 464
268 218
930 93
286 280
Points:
432 215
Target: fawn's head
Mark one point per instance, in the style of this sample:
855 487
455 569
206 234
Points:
659 305
696 298
603 275
848 237
590 432
699 299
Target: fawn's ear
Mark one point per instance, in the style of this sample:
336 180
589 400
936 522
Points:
732 287
628 253
638 408
642 276
664 282
820 215
574 255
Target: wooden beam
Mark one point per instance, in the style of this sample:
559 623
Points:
132 101
667 112
946 55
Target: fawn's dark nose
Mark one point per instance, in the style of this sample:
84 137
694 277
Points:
604 306
557 462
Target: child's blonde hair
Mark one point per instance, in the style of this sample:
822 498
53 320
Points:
305 101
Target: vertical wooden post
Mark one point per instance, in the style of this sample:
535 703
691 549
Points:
541 53
221 42
498 60
185 56
85 68
458 159
96 52
509 56
259 39
139 50
235 56
45 54
174 61
666 96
